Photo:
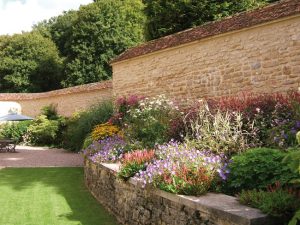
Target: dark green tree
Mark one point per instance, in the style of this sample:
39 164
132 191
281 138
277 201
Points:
29 62
101 31
58 29
169 16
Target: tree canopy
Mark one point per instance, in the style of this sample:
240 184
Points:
102 30
90 37
170 16
29 62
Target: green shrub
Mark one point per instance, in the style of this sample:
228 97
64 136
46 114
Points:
50 112
42 131
257 168
80 126
277 203
148 124
87 141
15 130
293 161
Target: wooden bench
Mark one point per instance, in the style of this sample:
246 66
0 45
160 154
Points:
7 145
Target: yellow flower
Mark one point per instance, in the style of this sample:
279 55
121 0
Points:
104 130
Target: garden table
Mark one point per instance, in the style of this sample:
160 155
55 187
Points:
7 145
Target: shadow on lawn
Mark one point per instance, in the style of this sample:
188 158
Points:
67 182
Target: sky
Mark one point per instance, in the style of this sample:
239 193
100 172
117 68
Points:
19 15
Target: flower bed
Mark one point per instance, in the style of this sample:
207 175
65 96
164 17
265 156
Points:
238 146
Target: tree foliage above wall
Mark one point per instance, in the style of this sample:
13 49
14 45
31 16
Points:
169 16
29 62
75 47
103 30
59 29
90 37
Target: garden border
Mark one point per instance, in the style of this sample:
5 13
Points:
134 205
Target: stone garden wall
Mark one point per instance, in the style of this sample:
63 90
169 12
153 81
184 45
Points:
133 205
67 101
257 51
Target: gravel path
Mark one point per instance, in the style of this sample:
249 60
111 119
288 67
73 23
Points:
40 157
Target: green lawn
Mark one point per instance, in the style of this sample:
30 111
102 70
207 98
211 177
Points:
48 196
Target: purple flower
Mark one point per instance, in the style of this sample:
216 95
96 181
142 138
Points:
293 130
109 149
173 155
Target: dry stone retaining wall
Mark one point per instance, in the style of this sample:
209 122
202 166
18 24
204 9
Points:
133 205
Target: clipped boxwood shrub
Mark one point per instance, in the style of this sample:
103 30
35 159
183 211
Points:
257 168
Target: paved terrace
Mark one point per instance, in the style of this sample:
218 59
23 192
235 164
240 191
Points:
40 157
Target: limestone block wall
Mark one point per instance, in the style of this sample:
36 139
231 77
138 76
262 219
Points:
252 52
67 101
134 205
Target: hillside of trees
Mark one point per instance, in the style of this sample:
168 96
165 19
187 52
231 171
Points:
76 47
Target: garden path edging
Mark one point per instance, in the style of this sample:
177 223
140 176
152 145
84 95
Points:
133 205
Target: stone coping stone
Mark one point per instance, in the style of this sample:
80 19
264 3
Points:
222 206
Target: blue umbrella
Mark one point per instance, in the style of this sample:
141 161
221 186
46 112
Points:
15 117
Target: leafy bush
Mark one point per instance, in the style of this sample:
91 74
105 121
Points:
293 161
182 170
134 162
104 130
277 203
257 168
42 131
15 130
149 123
81 125
50 112
221 132
274 117
106 150
87 141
